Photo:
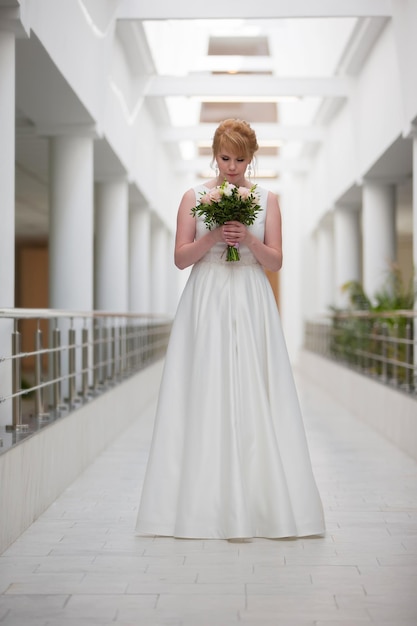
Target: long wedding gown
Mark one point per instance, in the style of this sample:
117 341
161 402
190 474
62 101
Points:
229 457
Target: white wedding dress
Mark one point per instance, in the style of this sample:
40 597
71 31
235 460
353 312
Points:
229 457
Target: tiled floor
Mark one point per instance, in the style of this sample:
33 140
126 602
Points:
81 564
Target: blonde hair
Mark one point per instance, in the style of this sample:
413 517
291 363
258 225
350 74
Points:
237 136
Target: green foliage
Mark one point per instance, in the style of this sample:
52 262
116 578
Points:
394 296
379 344
25 384
230 206
228 203
357 296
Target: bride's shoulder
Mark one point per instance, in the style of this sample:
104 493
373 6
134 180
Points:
192 195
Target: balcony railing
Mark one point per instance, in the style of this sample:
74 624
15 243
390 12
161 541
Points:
380 345
68 358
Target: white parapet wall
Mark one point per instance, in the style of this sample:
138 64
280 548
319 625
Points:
390 412
37 470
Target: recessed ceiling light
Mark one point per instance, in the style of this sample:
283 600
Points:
227 99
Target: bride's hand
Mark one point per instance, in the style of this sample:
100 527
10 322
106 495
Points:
217 235
234 232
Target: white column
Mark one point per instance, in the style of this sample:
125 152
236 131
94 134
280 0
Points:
415 237
415 219
140 260
71 230
297 274
347 250
71 223
174 277
111 246
379 235
7 209
325 266
158 267
7 159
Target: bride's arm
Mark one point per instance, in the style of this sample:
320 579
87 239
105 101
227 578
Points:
269 252
188 250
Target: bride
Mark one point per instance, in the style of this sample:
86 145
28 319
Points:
229 457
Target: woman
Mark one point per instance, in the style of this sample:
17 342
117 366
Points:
229 457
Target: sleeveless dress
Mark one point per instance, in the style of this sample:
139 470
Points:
229 456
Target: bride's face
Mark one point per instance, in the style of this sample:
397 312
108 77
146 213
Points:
232 168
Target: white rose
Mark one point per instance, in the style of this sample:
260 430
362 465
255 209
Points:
228 189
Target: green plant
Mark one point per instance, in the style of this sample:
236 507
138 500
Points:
379 342
393 296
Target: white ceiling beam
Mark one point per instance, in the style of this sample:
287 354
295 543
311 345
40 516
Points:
278 164
261 9
235 86
360 43
264 132
231 62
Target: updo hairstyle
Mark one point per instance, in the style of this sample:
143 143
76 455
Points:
235 136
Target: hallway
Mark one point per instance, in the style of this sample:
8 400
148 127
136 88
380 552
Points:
80 563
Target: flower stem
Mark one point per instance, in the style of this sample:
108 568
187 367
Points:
232 253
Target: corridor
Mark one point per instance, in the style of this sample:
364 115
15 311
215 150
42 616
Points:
81 564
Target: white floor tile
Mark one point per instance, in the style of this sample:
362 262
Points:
81 564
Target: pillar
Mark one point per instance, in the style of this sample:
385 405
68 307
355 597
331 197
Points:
415 246
71 230
325 266
379 235
111 246
415 218
140 260
173 276
158 267
347 250
7 208
298 276
71 223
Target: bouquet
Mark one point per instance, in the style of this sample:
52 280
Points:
228 203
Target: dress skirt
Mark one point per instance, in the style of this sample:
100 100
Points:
229 456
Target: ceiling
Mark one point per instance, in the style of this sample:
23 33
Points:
287 77
286 67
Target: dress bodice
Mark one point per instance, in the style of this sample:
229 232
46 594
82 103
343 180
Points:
217 254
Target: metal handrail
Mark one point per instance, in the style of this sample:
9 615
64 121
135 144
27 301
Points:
382 345
100 350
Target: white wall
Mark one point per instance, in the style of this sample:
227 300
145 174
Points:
79 69
35 472
107 76
404 33
153 170
380 108
392 413
377 102
79 45
108 82
340 157
364 128
291 279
